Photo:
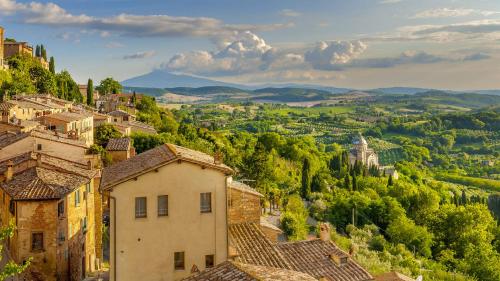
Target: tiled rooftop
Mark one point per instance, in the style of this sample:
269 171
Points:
119 113
393 276
120 144
253 247
243 187
154 158
232 271
8 138
313 257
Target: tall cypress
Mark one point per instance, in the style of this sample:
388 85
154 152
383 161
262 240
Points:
390 181
306 178
43 52
37 51
52 65
90 92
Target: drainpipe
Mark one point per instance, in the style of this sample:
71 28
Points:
114 236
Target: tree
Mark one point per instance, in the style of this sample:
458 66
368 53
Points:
52 65
134 99
390 181
90 92
415 237
354 183
347 181
104 133
37 51
43 52
11 268
306 178
109 86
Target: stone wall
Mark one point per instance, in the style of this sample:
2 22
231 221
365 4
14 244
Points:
243 207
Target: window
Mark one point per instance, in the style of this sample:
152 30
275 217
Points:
12 207
206 202
87 187
162 205
179 260
60 209
209 261
140 207
77 198
37 241
84 225
39 146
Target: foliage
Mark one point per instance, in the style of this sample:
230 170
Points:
109 86
105 132
90 92
11 268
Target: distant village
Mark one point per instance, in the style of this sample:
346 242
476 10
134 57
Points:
173 213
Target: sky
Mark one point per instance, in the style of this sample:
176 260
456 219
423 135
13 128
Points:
445 44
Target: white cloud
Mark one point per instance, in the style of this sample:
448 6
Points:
331 55
390 1
451 12
114 45
128 24
139 55
289 13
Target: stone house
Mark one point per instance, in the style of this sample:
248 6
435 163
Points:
120 149
43 141
170 201
11 49
51 202
76 125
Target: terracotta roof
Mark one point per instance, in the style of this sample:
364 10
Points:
141 125
253 247
393 276
66 116
121 144
39 183
155 158
313 258
8 138
119 113
6 106
232 271
244 188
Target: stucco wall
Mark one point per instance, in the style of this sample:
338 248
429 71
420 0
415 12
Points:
244 207
145 247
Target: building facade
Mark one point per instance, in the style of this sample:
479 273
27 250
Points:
76 125
51 202
168 207
362 154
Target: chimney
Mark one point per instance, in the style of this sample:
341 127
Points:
339 259
38 159
10 171
218 158
324 232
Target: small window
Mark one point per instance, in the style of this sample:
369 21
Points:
141 207
84 225
77 198
209 261
87 187
179 260
60 209
162 205
37 241
12 207
39 146
206 202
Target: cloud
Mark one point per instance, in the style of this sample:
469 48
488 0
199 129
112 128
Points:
289 13
114 45
409 57
331 55
476 57
139 55
390 1
450 12
128 24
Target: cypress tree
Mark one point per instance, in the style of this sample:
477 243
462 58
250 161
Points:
354 183
347 182
306 178
52 65
90 92
37 51
43 52
390 181
134 98
464 198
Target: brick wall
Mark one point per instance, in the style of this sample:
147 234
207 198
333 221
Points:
243 207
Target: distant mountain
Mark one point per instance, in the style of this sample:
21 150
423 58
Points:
400 90
165 79
204 91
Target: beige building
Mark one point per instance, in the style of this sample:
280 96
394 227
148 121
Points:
51 202
168 214
43 141
76 125
11 49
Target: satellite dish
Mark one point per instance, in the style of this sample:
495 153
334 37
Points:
420 278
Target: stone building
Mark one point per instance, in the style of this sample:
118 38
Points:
11 49
78 126
51 202
170 201
362 154
120 149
